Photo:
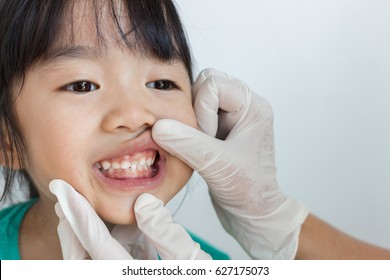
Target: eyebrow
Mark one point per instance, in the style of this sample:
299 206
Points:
88 52
78 52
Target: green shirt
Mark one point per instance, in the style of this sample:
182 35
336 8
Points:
11 219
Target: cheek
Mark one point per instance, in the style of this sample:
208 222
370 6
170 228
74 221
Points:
59 154
178 175
180 110
189 118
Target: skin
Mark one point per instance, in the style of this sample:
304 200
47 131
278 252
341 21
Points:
320 241
67 132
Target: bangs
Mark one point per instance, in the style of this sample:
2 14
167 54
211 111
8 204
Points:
149 28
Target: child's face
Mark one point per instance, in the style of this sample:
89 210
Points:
86 118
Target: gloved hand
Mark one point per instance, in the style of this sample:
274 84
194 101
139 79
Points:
83 234
238 165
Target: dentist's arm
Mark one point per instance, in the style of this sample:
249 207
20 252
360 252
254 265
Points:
319 240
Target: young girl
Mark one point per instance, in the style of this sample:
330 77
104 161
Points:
82 84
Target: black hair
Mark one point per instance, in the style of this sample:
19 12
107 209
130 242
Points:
31 29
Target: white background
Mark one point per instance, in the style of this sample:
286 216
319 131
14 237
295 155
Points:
324 66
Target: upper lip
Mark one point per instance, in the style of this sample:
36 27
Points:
139 144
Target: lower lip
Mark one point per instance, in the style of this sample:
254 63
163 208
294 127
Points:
125 185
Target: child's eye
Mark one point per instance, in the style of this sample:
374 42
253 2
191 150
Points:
81 87
161 85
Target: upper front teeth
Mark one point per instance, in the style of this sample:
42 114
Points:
125 165
116 165
136 164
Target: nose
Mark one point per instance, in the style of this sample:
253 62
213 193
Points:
128 110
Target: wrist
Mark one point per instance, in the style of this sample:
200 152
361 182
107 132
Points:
272 236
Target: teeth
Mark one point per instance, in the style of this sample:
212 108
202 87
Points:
140 162
125 165
116 165
106 165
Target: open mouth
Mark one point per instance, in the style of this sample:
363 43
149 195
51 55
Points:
142 165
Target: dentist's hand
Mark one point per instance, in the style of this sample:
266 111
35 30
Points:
234 153
83 234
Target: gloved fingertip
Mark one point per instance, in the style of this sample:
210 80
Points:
160 127
147 202
58 210
55 185
165 129
58 185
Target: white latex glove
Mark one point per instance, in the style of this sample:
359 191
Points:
83 235
238 165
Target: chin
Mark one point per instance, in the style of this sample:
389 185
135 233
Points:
121 219
116 212
122 213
